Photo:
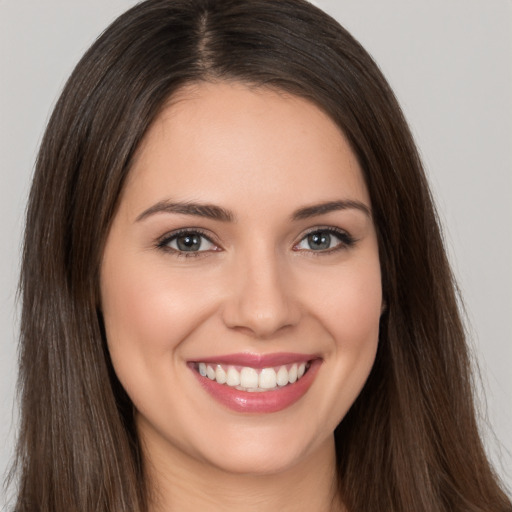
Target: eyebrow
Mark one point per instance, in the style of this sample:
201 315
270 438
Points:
214 212
330 206
209 211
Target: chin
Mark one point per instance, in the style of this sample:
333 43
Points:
266 451
262 461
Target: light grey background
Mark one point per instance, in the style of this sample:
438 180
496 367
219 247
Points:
450 64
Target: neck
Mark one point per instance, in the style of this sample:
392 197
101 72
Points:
185 484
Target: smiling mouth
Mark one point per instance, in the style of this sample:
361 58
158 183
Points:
255 383
247 378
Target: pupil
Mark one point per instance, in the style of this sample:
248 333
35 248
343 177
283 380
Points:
319 240
188 242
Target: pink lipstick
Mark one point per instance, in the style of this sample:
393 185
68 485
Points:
255 383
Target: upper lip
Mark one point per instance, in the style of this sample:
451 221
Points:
258 360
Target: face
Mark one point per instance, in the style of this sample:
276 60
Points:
240 281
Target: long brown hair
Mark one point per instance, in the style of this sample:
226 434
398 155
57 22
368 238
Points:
410 442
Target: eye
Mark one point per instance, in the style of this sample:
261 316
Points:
325 240
187 242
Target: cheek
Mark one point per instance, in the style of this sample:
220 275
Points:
349 303
147 313
356 325
146 304
359 310
350 312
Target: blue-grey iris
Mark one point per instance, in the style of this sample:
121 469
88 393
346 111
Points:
319 240
188 242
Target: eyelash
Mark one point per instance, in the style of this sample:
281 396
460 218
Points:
346 241
163 243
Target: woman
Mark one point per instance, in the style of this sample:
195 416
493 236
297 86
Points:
234 287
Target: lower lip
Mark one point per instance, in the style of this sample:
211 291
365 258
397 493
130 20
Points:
260 401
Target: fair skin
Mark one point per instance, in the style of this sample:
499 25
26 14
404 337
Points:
280 269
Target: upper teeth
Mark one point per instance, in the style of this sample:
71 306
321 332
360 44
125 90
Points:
251 379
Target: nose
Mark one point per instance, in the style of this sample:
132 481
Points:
261 301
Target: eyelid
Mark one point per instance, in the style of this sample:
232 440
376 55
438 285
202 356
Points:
163 242
345 238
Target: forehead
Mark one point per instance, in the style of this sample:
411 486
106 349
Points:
214 141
